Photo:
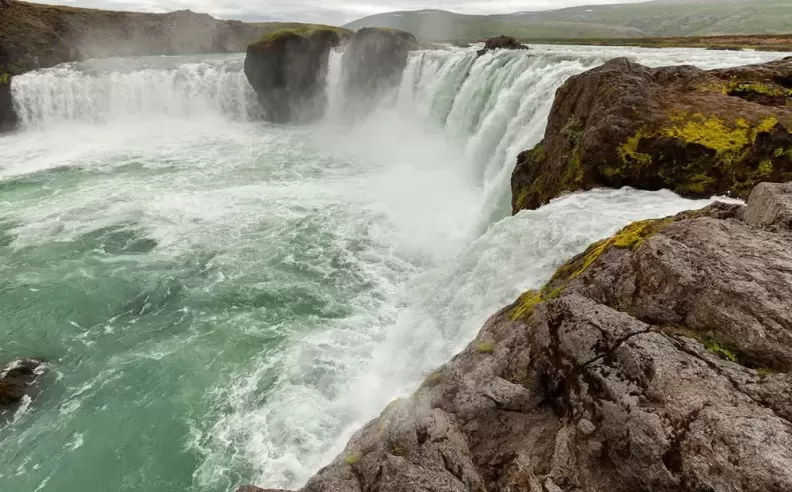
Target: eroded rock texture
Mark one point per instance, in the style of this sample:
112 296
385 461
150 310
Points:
698 133
287 69
373 63
16 382
501 43
658 360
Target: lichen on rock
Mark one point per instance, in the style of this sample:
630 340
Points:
689 130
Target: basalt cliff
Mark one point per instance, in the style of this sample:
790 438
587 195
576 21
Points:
658 359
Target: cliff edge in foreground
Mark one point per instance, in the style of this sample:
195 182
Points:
699 133
658 360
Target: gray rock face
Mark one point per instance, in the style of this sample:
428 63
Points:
770 206
287 69
16 381
655 361
374 61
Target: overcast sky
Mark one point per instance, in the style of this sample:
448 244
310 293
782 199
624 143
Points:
325 11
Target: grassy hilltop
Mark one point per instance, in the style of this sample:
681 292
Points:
658 18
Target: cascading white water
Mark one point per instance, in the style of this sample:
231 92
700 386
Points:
226 301
139 89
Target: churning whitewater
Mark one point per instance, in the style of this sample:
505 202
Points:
222 300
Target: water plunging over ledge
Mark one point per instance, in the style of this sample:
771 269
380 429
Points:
223 300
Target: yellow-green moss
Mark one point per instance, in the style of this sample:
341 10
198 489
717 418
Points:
525 305
352 458
4 78
522 197
538 152
698 184
573 176
635 234
711 132
721 351
433 378
305 31
765 126
486 347
731 142
710 342
766 371
735 87
629 154
630 237
765 168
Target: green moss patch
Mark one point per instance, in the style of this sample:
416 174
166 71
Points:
736 88
486 348
702 155
631 237
710 341
433 378
352 458
303 31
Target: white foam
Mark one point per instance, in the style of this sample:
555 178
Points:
406 211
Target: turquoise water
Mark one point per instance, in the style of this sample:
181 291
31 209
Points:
223 301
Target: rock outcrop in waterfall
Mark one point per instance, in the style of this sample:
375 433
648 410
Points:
501 43
374 61
657 360
699 133
288 68
17 382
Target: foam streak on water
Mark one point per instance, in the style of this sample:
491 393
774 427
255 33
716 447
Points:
220 300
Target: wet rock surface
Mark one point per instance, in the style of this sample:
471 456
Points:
373 62
699 133
657 360
501 43
17 381
287 69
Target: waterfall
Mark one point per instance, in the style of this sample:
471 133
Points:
223 300
80 92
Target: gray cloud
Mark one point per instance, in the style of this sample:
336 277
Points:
325 11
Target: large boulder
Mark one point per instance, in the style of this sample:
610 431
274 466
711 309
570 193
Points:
287 68
16 381
501 43
374 61
696 132
657 360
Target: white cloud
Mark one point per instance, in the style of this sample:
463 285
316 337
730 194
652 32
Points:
326 11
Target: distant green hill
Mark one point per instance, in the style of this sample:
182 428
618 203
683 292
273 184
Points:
658 18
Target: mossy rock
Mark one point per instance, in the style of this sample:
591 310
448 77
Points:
286 68
303 31
698 133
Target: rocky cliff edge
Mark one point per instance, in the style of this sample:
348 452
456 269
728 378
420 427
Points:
697 132
658 360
